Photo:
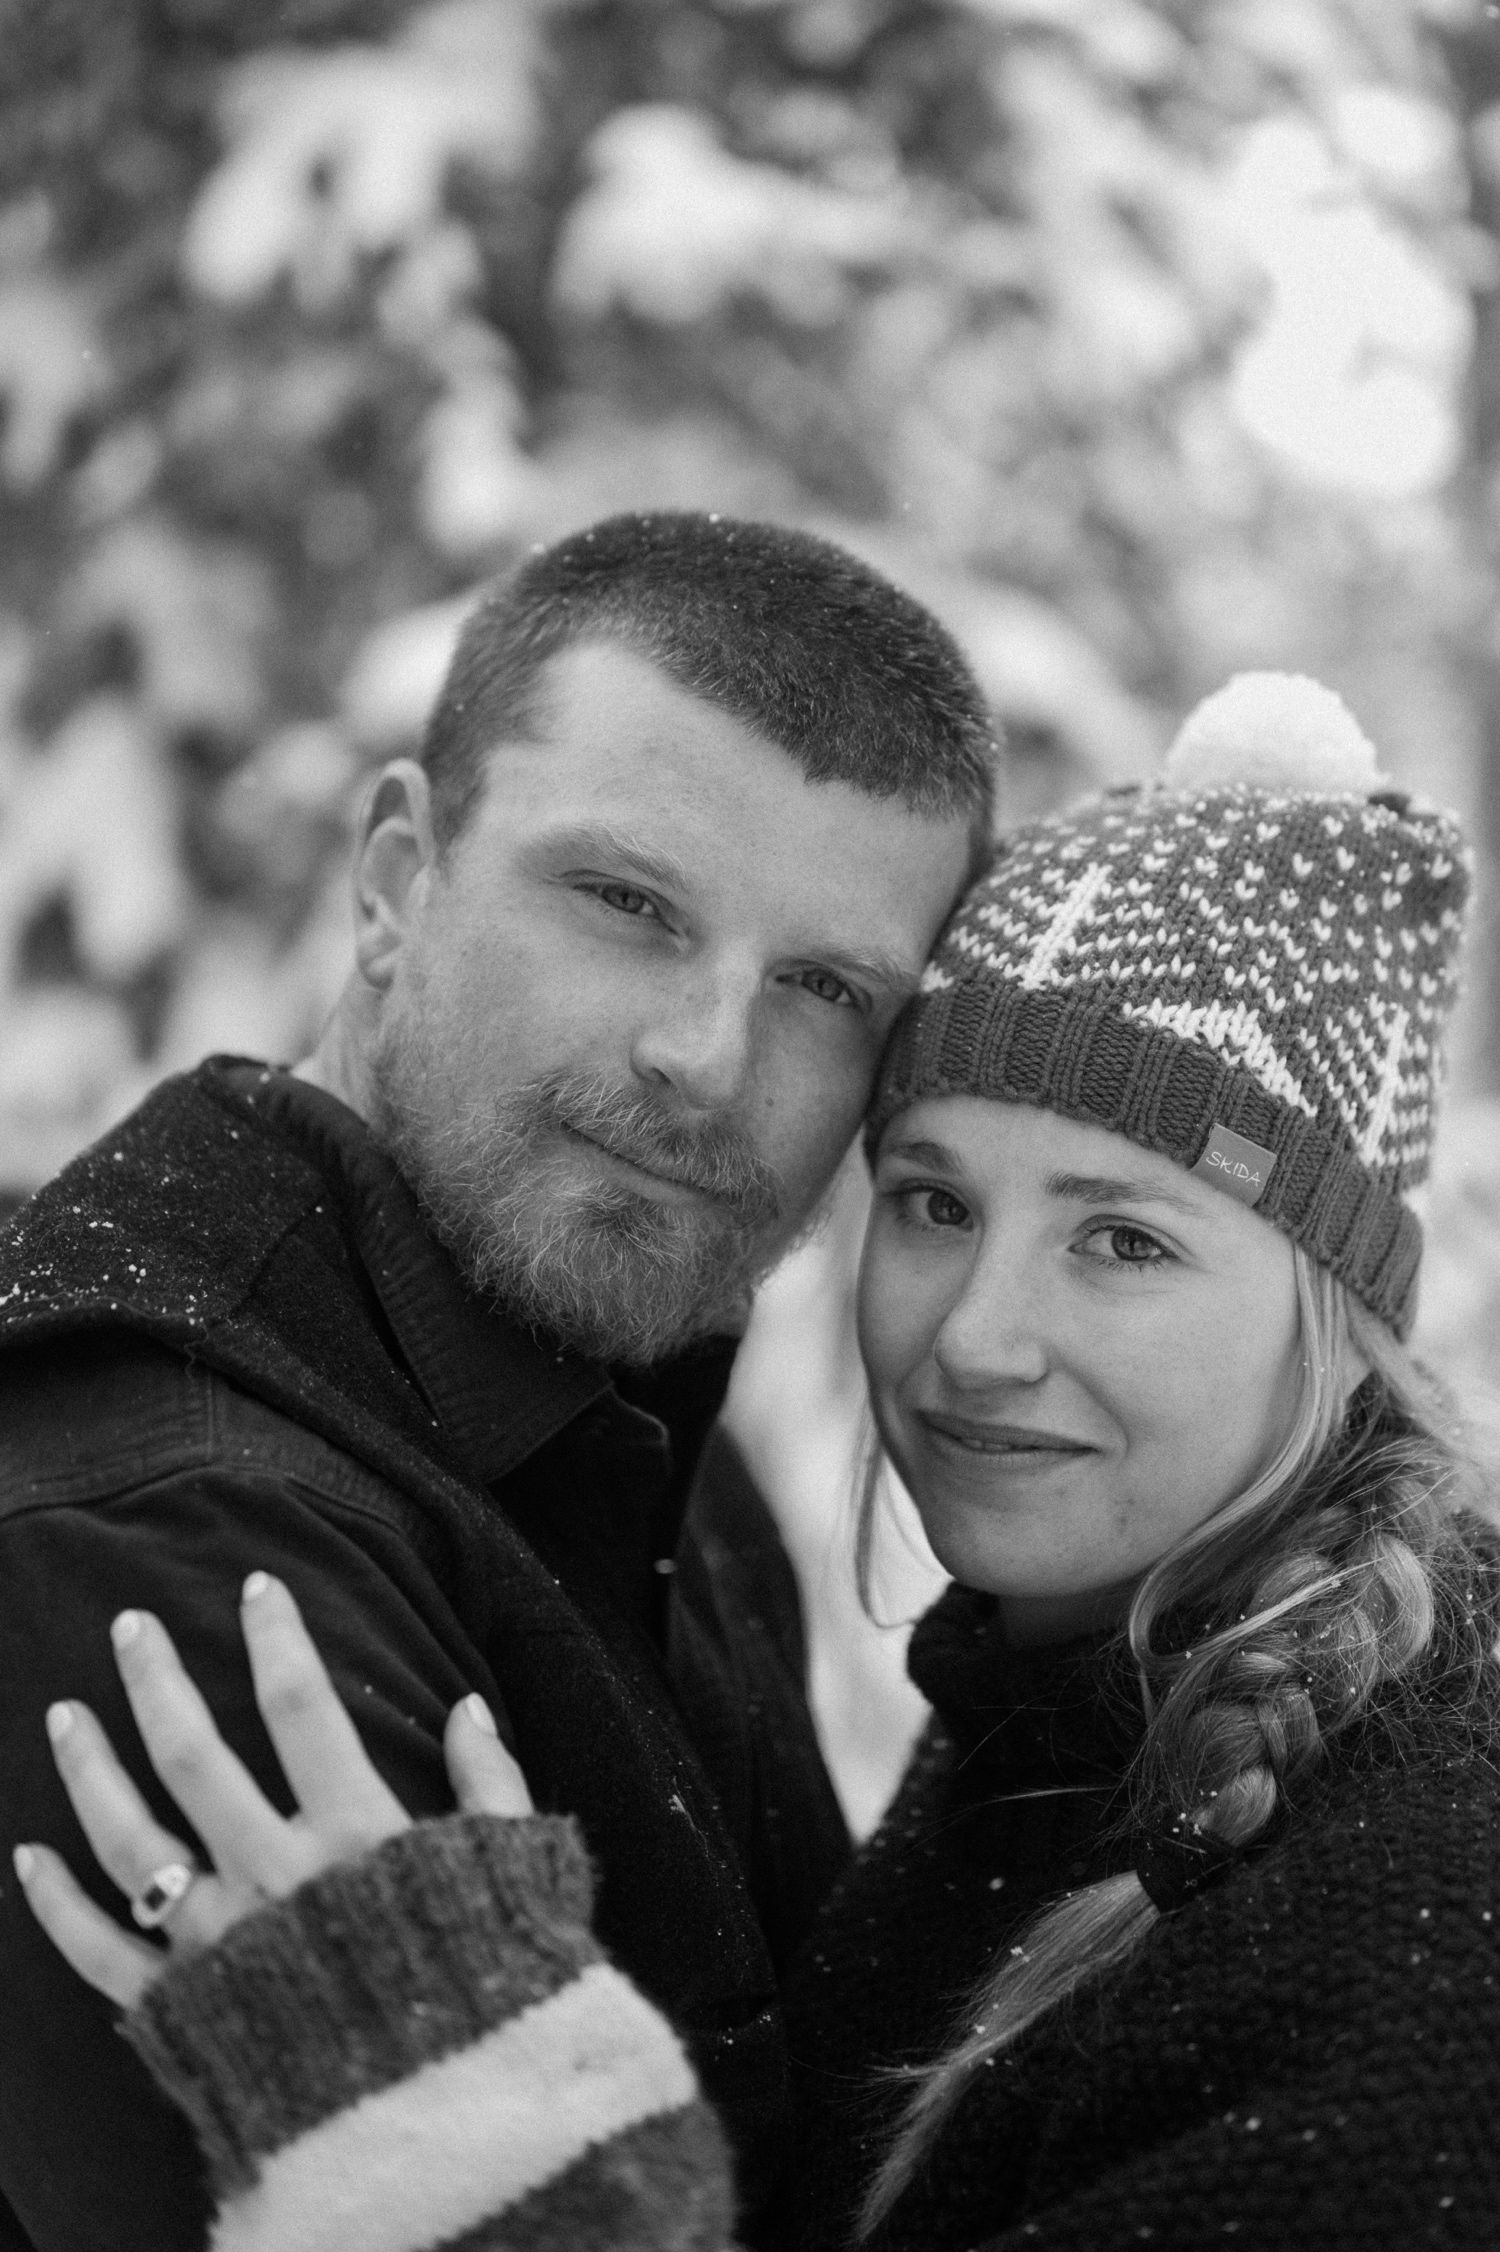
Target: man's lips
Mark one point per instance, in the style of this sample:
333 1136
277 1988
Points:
1011 1439
654 1170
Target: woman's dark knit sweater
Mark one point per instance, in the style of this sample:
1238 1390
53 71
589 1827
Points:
1307 2055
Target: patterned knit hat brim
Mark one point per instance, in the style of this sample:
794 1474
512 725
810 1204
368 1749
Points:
1086 1061
1185 966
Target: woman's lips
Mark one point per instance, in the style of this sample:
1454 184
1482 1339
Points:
1014 1441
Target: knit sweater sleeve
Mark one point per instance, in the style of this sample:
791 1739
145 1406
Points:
427 2048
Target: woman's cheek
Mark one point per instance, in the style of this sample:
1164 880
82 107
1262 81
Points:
1156 1390
909 1299
882 1302
888 1347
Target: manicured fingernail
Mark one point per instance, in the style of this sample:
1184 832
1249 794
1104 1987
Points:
23 1860
255 1585
479 1712
59 1721
124 1629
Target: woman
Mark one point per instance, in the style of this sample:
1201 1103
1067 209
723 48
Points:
1182 1925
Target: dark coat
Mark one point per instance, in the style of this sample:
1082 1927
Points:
226 1343
1305 2057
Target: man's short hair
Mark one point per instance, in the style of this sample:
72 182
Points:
801 641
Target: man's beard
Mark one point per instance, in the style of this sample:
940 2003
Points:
614 1273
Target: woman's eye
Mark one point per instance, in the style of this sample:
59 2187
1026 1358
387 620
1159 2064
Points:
931 1208
1123 1246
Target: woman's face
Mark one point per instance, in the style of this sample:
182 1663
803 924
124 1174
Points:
1077 1351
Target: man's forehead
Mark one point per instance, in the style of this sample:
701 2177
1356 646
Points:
592 685
619 748
598 701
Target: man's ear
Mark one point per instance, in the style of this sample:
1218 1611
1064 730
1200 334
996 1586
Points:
394 862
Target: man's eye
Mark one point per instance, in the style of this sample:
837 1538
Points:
625 899
824 986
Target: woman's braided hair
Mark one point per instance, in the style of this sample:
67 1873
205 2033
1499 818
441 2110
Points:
1351 1588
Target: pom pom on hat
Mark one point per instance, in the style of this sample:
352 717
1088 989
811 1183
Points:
1274 731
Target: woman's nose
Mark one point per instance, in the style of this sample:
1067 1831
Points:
995 1332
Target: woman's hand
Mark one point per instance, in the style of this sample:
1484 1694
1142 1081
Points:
343 1806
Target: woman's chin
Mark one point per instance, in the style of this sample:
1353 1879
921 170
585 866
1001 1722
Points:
1042 1558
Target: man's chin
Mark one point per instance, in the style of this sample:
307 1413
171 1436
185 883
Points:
592 1251
629 1280
616 1333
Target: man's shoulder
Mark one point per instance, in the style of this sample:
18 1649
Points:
203 1226
105 1413
162 1224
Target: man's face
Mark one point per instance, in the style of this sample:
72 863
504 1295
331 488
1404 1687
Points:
629 1027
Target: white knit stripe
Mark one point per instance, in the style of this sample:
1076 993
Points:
1070 912
1387 1090
1236 1031
463 2138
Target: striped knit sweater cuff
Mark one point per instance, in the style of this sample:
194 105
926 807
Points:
426 2047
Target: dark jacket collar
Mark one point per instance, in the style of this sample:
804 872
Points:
1062 1714
497 1391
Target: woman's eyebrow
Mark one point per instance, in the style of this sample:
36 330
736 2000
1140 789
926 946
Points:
924 1153
1102 1188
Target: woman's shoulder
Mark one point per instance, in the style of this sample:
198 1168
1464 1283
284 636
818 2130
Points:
1349 1931
1422 1772
1247 2064
1394 1851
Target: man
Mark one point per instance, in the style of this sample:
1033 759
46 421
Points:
421 1327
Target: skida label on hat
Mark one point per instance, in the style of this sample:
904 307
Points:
1240 1168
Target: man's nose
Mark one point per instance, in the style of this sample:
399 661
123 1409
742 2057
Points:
701 1041
995 1333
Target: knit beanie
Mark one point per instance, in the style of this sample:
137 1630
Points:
1245 966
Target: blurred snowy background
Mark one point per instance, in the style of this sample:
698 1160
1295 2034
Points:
1145 339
